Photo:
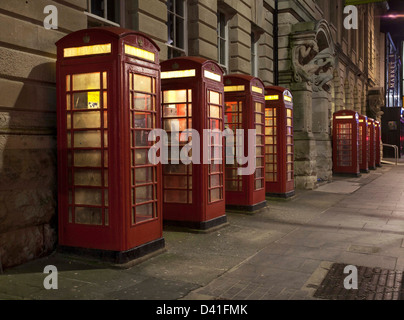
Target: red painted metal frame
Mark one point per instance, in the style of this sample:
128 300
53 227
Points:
247 197
372 140
119 235
200 213
364 144
378 134
349 164
283 187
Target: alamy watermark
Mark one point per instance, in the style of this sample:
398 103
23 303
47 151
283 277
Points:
185 147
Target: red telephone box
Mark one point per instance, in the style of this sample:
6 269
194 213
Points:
108 102
245 109
193 98
364 144
346 142
378 134
372 142
279 144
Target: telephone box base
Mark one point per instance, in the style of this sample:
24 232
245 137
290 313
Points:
116 257
286 195
364 171
198 225
249 209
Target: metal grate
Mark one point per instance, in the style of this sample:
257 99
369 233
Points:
373 284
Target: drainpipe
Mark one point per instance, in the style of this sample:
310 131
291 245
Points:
276 47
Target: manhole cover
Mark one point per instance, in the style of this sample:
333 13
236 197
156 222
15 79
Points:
373 284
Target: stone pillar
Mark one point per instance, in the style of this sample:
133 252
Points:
322 134
305 145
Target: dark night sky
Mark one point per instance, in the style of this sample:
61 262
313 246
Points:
395 26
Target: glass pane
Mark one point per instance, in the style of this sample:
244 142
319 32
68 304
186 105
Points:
92 216
141 156
90 197
143 120
83 120
86 81
87 139
179 7
178 182
232 185
215 195
175 110
141 138
214 97
91 158
105 100
175 169
143 175
86 100
87 178
175 96
215 181
259 184
144 212
67 83
215 112
175 125
68 121
142 101
104 80
175 196
68 102
142 83
144 194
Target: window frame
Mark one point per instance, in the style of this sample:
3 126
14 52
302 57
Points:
254 54
104 20
223 64
174 47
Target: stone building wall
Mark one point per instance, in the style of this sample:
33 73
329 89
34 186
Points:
309 32
28 195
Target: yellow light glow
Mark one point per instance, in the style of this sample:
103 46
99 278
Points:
361 121
257 89
87 51
343 117
212 76
288 99
234 88
272 98
178 74
140 53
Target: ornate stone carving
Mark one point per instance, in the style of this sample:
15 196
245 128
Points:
313 59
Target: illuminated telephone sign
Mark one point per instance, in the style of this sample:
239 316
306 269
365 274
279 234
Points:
193 98
244 110
346 143
372 142
378 138
108 101
279 142
364 144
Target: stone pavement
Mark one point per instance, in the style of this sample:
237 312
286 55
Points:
282 252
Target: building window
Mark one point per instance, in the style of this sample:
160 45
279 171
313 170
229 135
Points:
176 26
254 54
105 12
222 41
